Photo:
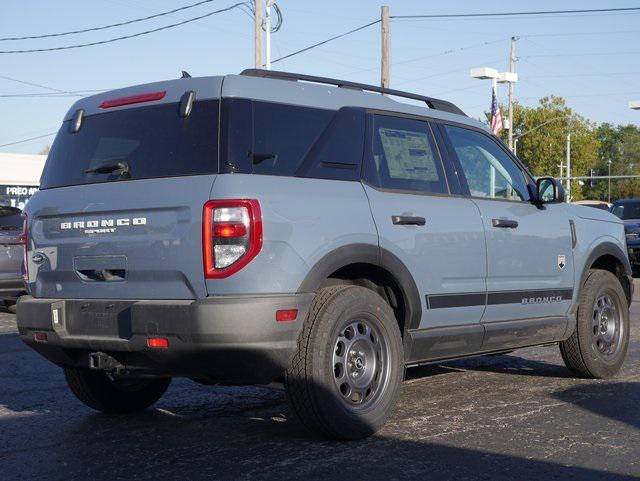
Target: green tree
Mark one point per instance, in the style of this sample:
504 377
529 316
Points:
542 131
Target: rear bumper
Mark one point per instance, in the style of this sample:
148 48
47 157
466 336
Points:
225 339
11 288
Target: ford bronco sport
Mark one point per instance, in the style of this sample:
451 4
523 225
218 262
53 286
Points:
271 226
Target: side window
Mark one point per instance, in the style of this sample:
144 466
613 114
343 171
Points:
337 154
268 138
487 168
403 156
283 134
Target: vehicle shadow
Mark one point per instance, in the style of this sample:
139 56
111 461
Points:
508 364
256 443
199 432
617 401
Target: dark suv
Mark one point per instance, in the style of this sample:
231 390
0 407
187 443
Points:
629 211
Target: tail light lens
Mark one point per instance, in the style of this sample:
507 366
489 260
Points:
24 238
231 236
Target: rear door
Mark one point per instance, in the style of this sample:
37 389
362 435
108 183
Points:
437 236
529 248
132 232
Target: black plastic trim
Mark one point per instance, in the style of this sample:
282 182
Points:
444 301
369 254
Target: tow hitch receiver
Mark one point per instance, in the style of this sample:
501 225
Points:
104 362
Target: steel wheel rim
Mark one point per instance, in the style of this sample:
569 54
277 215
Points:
360 363
607 326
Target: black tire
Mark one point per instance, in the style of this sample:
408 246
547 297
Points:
121 396
582 353
318 400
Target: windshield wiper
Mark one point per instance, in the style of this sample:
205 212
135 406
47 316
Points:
110 168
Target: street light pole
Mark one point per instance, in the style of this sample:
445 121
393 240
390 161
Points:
485 73
267 33
512 65
568 167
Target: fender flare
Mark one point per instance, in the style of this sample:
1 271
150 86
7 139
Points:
602 249
369 254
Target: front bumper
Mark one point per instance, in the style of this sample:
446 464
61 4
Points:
633 250
225 339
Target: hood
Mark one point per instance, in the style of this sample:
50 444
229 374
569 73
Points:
592 213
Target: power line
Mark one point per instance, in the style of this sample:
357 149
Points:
74 93
124 37
24 82
104 27
29 139
362 27
513 14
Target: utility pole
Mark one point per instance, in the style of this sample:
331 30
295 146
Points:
512 69
609 196
384 67
568 168
258 33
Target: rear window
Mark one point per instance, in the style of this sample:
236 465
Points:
10 219
152 141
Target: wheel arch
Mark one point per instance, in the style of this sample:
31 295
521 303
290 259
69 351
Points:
374 268
610 257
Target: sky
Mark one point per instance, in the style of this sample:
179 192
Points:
593 61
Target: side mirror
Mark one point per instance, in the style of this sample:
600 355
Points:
549 191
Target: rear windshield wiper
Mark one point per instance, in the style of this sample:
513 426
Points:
109 168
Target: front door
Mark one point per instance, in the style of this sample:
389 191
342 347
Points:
529 248
438 237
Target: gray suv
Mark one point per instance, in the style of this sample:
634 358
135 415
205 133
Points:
271 226
11 256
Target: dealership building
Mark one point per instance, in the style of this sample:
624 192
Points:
19 178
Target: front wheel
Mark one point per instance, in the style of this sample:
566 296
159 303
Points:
598 346
109 395
344 380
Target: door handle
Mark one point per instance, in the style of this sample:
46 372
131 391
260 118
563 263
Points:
407 220
505 223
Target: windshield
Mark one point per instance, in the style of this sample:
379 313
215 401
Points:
626 211
150 142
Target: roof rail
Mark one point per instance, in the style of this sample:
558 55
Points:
431 102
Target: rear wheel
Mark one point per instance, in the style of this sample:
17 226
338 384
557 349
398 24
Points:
598 346
345 377
109 395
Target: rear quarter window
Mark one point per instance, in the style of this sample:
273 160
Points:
290 140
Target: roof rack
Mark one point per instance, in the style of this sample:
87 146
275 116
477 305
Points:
431 102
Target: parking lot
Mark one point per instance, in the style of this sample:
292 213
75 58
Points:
517 416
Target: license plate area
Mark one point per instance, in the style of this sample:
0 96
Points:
105 319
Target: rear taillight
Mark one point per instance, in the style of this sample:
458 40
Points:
231 235
24 240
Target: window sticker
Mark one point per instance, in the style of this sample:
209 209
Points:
408 154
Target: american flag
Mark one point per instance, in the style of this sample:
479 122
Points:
496 117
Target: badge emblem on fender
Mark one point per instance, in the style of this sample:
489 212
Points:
562 261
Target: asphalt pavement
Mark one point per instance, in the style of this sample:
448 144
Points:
519 416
